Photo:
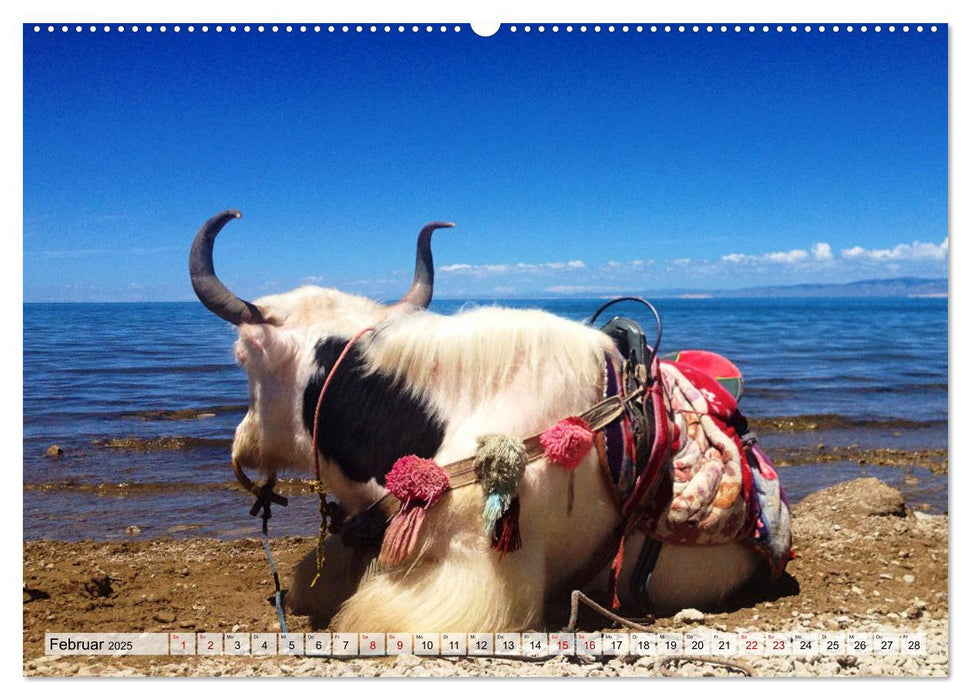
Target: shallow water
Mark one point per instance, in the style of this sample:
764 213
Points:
865 372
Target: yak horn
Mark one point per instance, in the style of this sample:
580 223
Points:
207 286
420 294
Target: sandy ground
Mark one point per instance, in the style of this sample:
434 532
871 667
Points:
866 563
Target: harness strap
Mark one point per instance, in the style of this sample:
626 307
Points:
462 472
331 514
643 569
323 390
261 492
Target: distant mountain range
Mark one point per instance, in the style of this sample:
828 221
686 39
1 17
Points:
896 287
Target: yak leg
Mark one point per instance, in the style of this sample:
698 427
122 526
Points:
700 577
340 575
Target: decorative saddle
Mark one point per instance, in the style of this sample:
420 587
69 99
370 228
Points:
684 466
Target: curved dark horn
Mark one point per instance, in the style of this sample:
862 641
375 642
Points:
420 293
209 289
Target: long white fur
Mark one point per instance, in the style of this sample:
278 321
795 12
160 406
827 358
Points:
482 370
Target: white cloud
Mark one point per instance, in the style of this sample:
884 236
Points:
522 267
822 251
793 256
904 251
781 257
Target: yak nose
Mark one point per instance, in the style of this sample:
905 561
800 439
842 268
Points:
246 449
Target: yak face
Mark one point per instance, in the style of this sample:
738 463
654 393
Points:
279 358
288 344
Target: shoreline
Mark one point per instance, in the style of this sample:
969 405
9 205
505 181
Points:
865 563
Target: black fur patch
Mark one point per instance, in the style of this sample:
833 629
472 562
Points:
364 530
366 422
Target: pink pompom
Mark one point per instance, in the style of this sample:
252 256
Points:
415 479
417 483
567 442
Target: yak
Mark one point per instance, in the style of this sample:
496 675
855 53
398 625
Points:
430 385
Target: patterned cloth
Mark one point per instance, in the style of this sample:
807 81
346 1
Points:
711 488
710 485
616 442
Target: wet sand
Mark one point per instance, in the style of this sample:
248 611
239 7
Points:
866 563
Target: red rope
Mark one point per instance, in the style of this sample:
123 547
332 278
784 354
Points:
323 390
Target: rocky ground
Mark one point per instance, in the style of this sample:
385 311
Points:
866 563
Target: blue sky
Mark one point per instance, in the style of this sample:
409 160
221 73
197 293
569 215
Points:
571 163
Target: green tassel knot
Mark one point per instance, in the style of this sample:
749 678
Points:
500 462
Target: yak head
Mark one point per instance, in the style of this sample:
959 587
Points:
287 345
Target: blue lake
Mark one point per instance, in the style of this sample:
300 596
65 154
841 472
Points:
874 371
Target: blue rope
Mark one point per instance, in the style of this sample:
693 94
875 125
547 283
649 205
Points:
265 504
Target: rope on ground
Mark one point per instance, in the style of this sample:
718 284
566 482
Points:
579 597
663 664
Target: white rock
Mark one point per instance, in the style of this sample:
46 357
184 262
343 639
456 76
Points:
689 615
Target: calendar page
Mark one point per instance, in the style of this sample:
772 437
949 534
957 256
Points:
662 392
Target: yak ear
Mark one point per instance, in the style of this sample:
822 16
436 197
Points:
264 344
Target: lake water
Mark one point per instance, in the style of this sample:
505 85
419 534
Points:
144 398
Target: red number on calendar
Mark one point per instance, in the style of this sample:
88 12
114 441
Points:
400 645
210 646
373 645
751 644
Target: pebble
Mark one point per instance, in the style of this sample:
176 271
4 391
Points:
54 451
133 530
689 615
408 661
909 578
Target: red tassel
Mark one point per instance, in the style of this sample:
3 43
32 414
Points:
401 536
506 537
417 483
615 574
